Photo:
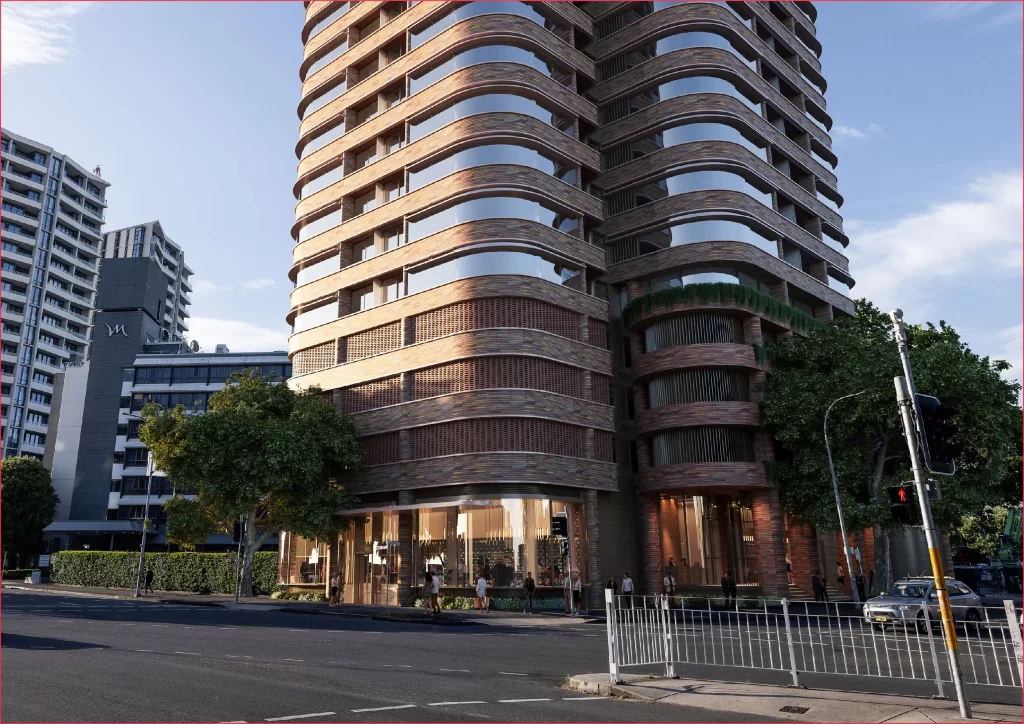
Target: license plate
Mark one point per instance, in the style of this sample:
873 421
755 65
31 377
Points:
881 618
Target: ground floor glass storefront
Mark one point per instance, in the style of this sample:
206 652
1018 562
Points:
705 536
503 539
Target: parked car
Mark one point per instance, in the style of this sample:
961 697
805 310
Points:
903 604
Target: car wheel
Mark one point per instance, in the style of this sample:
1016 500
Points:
877 626
973 616
922 626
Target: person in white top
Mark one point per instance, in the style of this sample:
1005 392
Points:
577 593
627 588
670 585
434 593
481 593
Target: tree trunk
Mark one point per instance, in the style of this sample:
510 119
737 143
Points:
883 573
250 550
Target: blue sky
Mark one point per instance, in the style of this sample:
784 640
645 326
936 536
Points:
190 110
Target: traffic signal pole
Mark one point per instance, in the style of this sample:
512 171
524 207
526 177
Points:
905 396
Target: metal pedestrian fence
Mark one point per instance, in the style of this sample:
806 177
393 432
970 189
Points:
802 637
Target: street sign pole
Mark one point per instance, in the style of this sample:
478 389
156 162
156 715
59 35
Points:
905 395
238 555
145 525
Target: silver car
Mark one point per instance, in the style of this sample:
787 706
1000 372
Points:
903 605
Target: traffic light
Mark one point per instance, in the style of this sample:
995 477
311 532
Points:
903 504
560 526
937 433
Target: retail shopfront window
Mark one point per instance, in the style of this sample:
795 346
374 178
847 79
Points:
707 535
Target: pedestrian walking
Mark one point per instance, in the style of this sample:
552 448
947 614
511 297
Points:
577 593
481 593
818 586
871 580
789 571
428 589
333 601
861 587
729 588
672 570
435 591
840 576
614 585
149 581
627 588
669 583
529 586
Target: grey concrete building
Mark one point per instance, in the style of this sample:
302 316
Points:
53 212
149 240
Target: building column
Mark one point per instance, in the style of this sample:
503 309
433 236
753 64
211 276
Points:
650 556
769 541
803 553
406 574
595 594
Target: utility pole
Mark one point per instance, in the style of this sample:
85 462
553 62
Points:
145 523
238 555
839 503
906 396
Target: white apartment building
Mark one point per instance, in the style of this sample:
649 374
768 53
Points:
149 240
53 211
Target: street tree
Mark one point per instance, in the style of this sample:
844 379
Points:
189 522
859 353
264 451
28 503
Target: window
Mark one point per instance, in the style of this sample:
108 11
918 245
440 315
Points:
362 298
691 232
37 418
487 54
621 63
393 97
141 399
470 10
322 181
339 9
327 57
318 269
315 317
140 234
152 375
320 224
322 139
191 401
365 203
222 373
393 238
488 103
393 143
365 113
190 374
484 263
391 289
491 207
499 153
367 156
362 250
136 456
676 136
34 438
332 90
393 189
683 183
721 275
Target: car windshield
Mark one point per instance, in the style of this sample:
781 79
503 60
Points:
908 590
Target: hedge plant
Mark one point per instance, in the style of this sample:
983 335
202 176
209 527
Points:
194 572
719 293
19 573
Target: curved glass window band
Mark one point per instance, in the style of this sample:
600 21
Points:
489 263
483 54
472 10
692 232
690 86
488 103
488 155
315 317
669 44
490 207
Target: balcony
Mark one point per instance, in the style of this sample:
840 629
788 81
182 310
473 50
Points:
21 197
24 177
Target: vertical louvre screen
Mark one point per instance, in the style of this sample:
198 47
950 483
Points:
703 445
699 385
701 328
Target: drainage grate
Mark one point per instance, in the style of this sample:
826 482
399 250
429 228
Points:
794 709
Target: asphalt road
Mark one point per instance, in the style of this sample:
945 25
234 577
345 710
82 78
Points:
68 658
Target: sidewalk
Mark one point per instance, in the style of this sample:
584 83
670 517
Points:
266 603
777 702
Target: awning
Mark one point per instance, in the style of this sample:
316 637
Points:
94 526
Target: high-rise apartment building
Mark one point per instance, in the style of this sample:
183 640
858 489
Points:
52 215
538 246
149 240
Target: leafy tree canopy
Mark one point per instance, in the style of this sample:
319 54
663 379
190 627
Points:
263 450
28 504
868 448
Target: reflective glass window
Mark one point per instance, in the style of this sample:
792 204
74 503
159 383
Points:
483 54
318 270
362 298
691 232
473 9
487 263
713 180
489 103
689 86
680 41
319 141
499 153
491 207
315 317
320 225
393 238
339 86
327 58
717 275
362 250
318 183
340 9
365 203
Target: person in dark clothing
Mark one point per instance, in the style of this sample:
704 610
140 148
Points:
614 585
871 580
529 586
818 586
729 588
861 587
149 580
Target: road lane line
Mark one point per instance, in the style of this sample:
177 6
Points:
582 698
455 703
512 673
142 651
160 625
464 671
301 716
398 666
518 701
385 708
187 653
297 660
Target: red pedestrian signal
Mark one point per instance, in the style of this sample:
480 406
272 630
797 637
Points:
902 495
903 505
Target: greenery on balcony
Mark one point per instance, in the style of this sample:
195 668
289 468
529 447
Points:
719 293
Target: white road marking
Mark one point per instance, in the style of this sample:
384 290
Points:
295 630
398 666
127 624
298 660
511 673
385 708
518 701
236 656
160 625
228 628
301 716
455 703
188 653
582 698
464 671
519 634
143 651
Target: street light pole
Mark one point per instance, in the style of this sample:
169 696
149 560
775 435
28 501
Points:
145 523
839 503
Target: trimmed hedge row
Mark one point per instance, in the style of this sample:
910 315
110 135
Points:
19 573
195 572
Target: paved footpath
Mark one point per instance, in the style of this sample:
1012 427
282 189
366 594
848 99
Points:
84 658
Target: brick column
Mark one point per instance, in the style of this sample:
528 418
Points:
406 574
769 542
803 553
595 594
650 525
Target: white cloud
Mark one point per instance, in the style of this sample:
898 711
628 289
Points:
238 336
257 284
956 10
201 286
974 238
1006 344
873 131
37 32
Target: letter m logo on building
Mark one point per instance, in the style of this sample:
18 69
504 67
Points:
116 329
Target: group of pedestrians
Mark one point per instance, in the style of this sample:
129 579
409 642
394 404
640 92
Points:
819 584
